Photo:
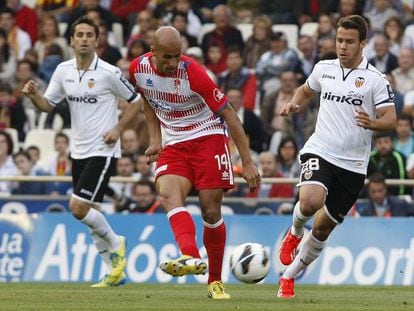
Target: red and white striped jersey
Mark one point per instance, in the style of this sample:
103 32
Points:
186 103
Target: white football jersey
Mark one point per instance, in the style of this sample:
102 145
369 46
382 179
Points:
337 137
92 96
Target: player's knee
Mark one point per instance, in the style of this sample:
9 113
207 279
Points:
168 203
321 233
310 205
211 215
77 210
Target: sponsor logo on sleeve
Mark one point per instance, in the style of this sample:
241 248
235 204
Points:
217 94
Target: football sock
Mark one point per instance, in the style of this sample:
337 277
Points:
103 250
96 221
183 227
299 220
214 241
309 251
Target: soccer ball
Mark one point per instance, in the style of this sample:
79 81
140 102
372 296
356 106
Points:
250 263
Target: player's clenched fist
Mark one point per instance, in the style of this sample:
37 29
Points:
29 89
288 109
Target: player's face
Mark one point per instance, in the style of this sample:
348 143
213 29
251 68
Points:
84 40
349 47
167 57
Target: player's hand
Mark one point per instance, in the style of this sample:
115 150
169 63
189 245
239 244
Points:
288 109
363 120
252 176
29 89
112 136
153 152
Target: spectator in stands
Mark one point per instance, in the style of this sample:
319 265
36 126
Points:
49 34
383 60
274 101
280 11
397 5
269 168
394 31
95 15
142 167
7 166
126 11
326 28
307 46
273 62
61 9
224 35
379 14
60 163
130 143
193 20
348 7
27 168
380 203
53 57
18 39
89 5
404 140
244 10
404 74
105 50
308 11
26 18
12 113
136 48
34 153
287 158
388 161
252 125
398 96
179 21
123 64
25 71
205 8
124 168
259 42
240 77
327 49
7 60
197 54
213 60
144 199
144 24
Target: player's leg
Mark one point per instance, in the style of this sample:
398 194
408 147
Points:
90 178
214 239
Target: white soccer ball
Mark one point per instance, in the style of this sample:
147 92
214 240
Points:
250 263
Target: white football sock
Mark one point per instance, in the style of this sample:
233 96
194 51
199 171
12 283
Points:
99 226
309 251
103 250
299 221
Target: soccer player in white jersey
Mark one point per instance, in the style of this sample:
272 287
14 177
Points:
91 87
195 117
355 100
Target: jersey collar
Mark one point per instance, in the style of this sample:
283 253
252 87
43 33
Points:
92 66
362 65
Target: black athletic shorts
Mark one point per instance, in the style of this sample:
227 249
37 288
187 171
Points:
90 177
342 186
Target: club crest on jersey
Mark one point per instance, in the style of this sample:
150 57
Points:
307 174
359 81
177 84
217 94
91 83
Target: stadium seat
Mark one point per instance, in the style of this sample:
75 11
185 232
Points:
118 32
31 118
409 32
309 29
205 28
291 32
57 121
15 138
62 28
44 139
246 30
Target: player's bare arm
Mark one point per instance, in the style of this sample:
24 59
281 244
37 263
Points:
41 103
250 172
386 119
154 130
128 116
299 101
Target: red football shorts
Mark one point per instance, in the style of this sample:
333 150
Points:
205 161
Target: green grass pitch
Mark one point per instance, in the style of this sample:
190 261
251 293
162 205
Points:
70 296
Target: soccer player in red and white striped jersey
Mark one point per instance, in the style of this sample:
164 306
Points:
195 117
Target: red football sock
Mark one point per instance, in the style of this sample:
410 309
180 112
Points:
183 228
214 241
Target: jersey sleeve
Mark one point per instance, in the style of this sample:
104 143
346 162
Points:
382 93
123 88
55 92
314 78
202 84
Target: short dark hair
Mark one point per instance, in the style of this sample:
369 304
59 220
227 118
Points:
63 135
382 134
10 144
356 22
84 20
22 153
376 178
146 182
